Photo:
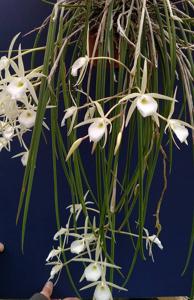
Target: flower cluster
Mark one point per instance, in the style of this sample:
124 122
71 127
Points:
18 100
87 247
146 103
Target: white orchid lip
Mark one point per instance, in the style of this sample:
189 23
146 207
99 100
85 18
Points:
17 88
77 246
27 118
80 63
180 130
96 130
102 292
146 105
93 272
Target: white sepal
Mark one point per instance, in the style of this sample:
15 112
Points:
146 105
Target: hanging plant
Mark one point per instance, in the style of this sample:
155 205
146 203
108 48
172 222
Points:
115 68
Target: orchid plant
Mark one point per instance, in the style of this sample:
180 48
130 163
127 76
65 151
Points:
115 68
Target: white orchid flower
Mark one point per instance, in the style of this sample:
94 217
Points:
97 130
144 102
179 130
154 239
150 240
102 292
178 127
27 118
8 107
98 127
77 246
146 105
93 272
17 88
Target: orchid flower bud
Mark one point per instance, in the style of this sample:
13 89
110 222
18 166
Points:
17 88
146 105
93 272
68 113
8 132
180 130
96 130
4 63
24 159
27 118
59 233
3 143
56 269
80 63
77 246
53 253
102 292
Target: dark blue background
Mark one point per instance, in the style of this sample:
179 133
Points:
21 275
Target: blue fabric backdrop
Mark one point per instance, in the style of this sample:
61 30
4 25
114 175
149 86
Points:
23 274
